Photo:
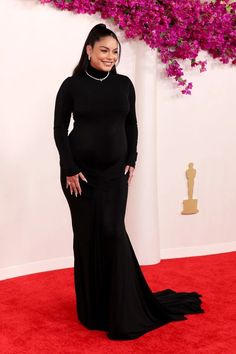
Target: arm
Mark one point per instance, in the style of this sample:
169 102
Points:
131 128
62 115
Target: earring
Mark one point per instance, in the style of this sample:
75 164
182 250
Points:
89 57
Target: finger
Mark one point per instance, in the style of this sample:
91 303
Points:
75 191
126 169
67 182
72 186
78 187
83 177
71 189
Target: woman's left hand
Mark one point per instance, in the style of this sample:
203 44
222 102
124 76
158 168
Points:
129 169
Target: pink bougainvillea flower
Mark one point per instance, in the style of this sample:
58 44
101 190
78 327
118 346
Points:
177 29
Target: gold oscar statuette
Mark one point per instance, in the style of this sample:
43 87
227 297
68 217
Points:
190 205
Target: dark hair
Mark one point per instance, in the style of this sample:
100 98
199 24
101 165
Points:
97 32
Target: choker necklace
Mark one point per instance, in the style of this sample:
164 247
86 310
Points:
100 79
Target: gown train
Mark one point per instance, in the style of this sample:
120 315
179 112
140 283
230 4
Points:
111 291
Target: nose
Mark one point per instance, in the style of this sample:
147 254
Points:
111 56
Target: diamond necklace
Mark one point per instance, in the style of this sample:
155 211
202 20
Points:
101 79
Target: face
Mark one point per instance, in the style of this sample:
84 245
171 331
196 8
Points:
104 54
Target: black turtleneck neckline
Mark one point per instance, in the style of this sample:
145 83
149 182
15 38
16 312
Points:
96 72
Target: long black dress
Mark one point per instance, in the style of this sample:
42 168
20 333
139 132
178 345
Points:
111 291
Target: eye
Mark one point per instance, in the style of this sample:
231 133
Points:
104 51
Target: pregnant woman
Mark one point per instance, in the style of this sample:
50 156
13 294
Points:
97 163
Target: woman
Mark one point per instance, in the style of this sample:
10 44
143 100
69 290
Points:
97 162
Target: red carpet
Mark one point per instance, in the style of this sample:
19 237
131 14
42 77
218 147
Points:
38 312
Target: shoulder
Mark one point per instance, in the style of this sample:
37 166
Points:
124 77
65 83
129 85
64 89
127 81
70 82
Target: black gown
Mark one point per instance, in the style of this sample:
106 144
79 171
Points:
111 291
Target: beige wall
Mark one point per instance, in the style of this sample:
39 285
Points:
200 128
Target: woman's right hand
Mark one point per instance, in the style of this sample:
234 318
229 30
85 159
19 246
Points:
73 183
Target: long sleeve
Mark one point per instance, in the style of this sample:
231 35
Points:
62 116
132 128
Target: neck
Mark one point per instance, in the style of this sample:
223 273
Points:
98 73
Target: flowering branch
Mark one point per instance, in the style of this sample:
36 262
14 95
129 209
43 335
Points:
178 29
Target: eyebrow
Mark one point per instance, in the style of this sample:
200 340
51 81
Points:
106 47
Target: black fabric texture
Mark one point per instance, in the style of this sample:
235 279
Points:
111 292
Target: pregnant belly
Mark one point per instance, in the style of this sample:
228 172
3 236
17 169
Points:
99 148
